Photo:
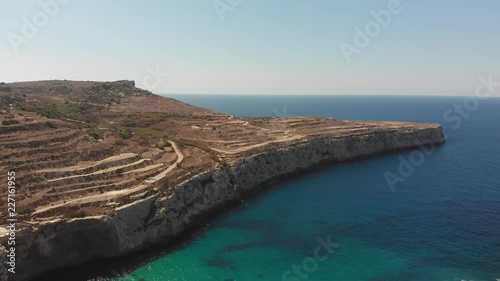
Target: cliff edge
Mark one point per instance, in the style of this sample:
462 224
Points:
100 178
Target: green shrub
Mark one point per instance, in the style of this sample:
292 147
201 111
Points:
96 134
51 125
9 122
163 145
125 134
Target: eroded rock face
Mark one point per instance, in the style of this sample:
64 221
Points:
145 222
266 166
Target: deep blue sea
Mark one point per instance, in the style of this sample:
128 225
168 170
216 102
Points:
441 223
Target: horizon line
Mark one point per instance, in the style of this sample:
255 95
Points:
325 95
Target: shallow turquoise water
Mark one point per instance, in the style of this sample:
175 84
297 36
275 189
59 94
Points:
441 223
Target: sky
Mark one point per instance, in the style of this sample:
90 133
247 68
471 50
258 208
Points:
419 47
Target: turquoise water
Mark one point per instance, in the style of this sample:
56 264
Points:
441 223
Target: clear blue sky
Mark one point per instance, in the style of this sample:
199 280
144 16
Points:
261 46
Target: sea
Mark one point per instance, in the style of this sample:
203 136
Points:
429 214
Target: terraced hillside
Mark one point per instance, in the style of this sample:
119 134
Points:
86 148
104 169
78 148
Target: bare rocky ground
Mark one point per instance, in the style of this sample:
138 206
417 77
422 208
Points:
85 148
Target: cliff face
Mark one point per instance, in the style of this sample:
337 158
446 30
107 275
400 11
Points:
142 223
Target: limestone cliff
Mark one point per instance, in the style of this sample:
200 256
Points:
142 223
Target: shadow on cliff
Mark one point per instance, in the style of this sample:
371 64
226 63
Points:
107 269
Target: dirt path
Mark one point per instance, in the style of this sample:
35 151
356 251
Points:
180 157
113 194
91 164
95 198
245 148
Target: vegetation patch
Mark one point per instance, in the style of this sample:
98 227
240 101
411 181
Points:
9 122
96 134
55 109
51 125
125 134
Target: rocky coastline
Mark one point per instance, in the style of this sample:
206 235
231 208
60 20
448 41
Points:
60 243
